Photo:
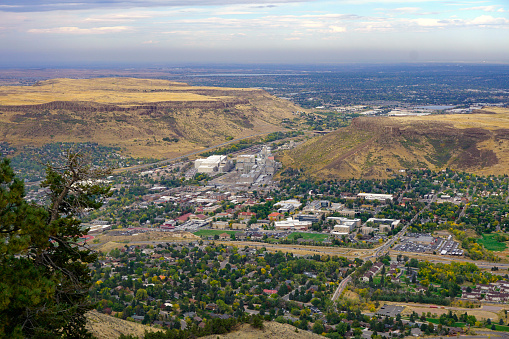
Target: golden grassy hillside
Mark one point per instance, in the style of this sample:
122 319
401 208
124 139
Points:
103 326
271 330
376 147
136 114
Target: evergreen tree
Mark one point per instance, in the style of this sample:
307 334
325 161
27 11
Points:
45 277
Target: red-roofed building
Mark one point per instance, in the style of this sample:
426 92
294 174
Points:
270 292
184 217
198 216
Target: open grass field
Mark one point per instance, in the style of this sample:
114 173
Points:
490 242
120 91
310 236
208 233
105 243
489 118
480 314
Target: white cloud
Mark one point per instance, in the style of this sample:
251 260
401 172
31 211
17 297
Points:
489 20
119 17
77 30
407 10
492 8
337 29
428 22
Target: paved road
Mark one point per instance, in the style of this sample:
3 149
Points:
341 287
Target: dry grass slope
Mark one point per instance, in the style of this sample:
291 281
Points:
136 114
271 330
376 147
104 326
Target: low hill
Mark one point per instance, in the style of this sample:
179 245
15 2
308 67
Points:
103 326
271 330
136 114
376 147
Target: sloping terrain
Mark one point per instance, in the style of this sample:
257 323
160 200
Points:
271 330
103 326
136 114
377 147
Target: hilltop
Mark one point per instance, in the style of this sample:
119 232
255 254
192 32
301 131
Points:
376 147
136 114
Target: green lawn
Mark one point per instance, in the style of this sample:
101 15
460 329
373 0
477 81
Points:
437 321
499 328
491 244
208 233
310 236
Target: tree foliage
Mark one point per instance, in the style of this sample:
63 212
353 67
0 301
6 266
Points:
45 277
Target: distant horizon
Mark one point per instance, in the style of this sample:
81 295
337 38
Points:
240 66
71 33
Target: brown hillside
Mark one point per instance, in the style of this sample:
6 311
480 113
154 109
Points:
376 147
136 114
271 330
103 326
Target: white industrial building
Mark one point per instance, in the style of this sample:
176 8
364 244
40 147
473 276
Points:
292 224
340 230
344 226
374 196
350 223
214 163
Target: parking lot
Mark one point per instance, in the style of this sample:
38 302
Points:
425 243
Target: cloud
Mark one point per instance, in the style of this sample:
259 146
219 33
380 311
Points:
77 30
337 29
407 10
492 8
53 5
488 20
119 17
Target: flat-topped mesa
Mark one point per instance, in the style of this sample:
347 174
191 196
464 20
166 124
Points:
139 115
82 106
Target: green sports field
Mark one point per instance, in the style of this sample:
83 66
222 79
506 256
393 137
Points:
490 242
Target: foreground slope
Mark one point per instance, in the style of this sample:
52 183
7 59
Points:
376 147
136 114
271 330
103 326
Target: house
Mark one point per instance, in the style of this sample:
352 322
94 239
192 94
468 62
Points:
211 307
416 332
224 236
184 217
246 215
240 235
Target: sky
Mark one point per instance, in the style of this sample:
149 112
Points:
41 33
